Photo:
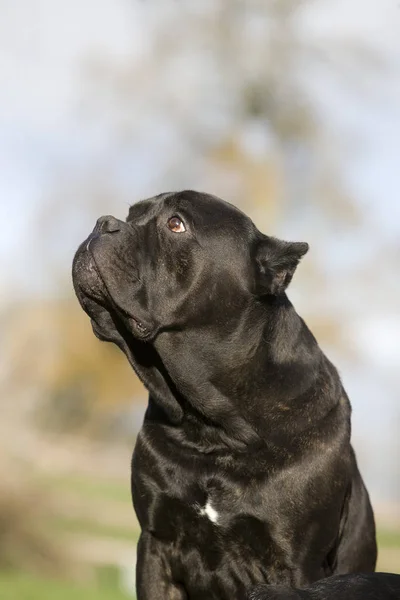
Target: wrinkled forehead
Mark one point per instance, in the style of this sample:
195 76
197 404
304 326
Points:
145 210
202 210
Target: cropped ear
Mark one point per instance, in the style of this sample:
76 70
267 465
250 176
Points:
276 262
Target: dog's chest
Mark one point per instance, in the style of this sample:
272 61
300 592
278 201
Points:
203 515
206 521
175 502
193 513
209 536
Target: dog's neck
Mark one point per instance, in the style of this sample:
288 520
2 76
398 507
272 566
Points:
237 386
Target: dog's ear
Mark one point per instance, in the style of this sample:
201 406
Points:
276 262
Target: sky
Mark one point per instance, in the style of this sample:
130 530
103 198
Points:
45 134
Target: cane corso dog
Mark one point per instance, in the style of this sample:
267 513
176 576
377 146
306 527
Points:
243 472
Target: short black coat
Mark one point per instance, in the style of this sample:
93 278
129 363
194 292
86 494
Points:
243 472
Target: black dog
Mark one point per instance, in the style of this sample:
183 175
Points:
243 472
374 586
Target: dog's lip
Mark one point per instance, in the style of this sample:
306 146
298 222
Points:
143 331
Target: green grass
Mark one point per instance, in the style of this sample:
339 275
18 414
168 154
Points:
388 539
92 527
19 586
91 488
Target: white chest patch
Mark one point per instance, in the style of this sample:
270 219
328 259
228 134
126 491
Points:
210 512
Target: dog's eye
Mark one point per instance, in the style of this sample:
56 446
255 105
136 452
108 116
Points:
176 225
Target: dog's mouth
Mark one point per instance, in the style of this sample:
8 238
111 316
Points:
102 298
96 299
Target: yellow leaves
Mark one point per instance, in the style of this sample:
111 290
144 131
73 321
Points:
259 178
52 348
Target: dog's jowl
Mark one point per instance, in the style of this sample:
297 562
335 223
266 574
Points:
243 472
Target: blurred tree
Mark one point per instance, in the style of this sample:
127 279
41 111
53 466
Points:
231 82
73 383
25 544
233 106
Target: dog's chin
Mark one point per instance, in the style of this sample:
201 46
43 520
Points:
107 318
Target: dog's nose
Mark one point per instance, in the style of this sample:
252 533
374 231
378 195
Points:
107 224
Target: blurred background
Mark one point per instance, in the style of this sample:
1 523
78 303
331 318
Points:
289 109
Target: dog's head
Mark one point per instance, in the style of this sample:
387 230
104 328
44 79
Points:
181 262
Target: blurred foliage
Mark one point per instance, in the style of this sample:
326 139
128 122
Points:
259 179
23 541
77 380
21 586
